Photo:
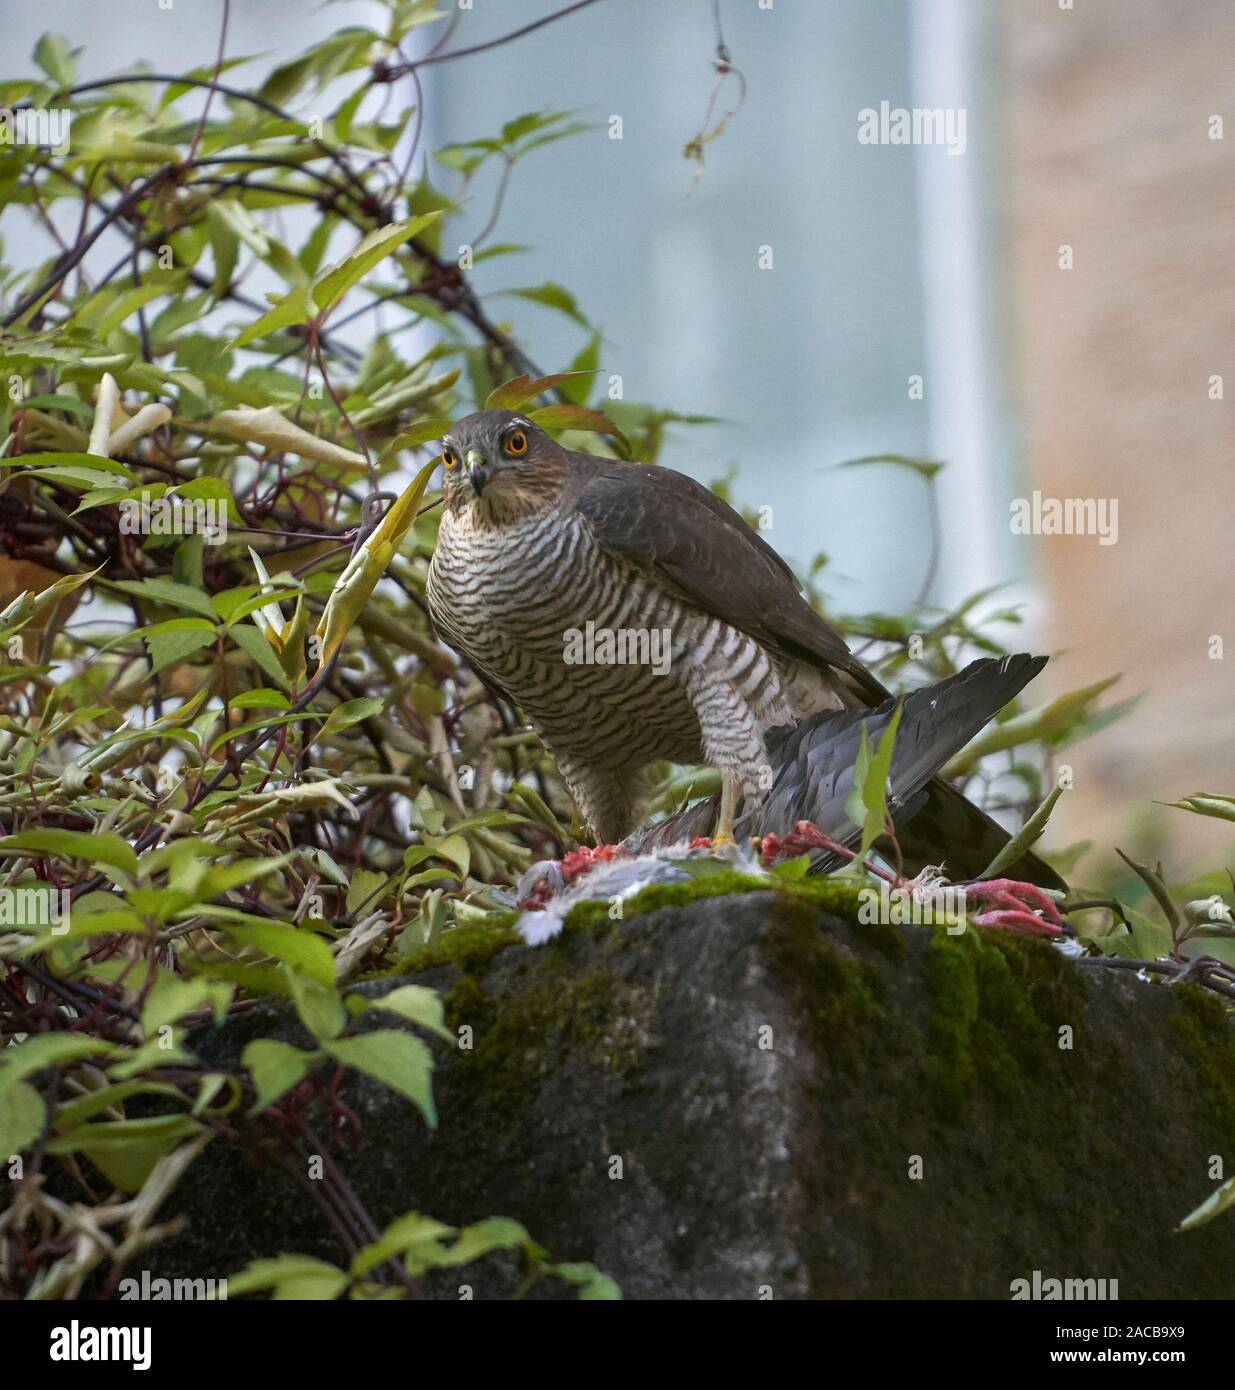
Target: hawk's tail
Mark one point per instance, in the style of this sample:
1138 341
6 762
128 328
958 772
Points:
813 766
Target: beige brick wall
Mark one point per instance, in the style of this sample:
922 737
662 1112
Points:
1107 109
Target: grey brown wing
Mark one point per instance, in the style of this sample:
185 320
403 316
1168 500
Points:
698 546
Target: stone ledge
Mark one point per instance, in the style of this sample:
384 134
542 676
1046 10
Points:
765 1072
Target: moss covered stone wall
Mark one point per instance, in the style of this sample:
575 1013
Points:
739 1092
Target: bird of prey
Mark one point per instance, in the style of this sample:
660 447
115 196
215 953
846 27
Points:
539 544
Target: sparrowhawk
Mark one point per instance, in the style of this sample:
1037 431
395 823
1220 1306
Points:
538 545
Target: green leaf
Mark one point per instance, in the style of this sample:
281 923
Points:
69 460
222 878
1027 836
276 1068
295 946
577 390
86 924
71 1114
792 869
553 297
320 1006
53 54
111 307
591 1283
181 311
416 1003
500 248
1149 939
275 721
168 592
515 393
311 253
331 285
424 432
486 820
69 404
234 604
108 848
868 801
1207 804
413 1238
263 698
925 468
21 1118
482 1237
366 890
168 643
348 713
88 478
467 157
397 1059
287 311
126 150
153 1054
296 1277
224 244
576 417
1214 1204
320 64
215 490
109 496
126 1151
1051 722
453 848
362 572
173 997
250 640
534 120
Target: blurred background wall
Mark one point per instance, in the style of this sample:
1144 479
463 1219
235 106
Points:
1111 113
878 255
915 301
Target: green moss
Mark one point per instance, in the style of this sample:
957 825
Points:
469 947
559 1008
472 947
841 897
847 901
952 977
997 1003
1201 1031
593 916
840 995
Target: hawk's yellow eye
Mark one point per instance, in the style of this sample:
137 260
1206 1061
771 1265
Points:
516 443
450 458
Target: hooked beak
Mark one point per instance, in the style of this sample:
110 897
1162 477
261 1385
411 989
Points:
477 470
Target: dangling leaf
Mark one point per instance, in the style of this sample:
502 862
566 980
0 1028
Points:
514 393
1027 836
868 801
269 429
331 285
576 417
353 587
1215 1203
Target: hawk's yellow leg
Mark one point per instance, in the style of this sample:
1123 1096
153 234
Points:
723 834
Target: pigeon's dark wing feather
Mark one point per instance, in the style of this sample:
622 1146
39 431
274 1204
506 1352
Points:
814 764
